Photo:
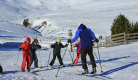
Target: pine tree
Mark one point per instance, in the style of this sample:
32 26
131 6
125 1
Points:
136 27
120 25
26 22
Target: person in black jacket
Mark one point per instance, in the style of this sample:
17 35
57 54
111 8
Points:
56 51
1 70
33 55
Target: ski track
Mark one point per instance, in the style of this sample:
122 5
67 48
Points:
120 62
115 62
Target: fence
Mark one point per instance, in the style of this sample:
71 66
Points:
113 40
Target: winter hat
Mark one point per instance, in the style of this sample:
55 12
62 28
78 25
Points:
35 40
58 39
28 39
80 23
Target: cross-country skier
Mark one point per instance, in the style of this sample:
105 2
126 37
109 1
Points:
33 55
78 45
26 47
56 52
86 36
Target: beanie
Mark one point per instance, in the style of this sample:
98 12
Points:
28 39
58 39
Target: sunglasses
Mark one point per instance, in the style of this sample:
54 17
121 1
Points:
36 42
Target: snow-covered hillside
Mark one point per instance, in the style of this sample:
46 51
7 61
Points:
119 62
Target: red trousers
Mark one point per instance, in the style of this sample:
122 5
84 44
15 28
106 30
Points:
26 58
77 58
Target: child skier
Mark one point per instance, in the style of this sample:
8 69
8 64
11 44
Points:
56 51
78 45
26 46
33 55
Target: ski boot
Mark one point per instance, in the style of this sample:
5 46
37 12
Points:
62 65
28 69
23 70
93 71
85 72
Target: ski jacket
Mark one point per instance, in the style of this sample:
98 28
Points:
35 47
78 45
85 35
26 47
57 47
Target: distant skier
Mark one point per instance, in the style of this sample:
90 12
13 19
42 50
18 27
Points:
26 47
85 35
1 70
56 52
33 55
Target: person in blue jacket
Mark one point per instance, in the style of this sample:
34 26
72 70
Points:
33 55
86 36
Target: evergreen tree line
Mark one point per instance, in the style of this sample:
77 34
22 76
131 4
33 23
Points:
122 25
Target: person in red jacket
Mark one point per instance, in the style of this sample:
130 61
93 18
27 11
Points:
26 47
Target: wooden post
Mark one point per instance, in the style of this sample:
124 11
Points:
124 38
106 42
70 34
36 35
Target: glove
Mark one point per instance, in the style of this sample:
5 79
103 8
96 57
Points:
66 44
51 46
74 45
69 41
39 47
20 49
97 40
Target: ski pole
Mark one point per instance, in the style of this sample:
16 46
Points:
70 56
62 59
49 58
16 62
99 58
73 55
40 58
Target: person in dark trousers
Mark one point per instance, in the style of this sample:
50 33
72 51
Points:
86 36
56 52
33 55
1 70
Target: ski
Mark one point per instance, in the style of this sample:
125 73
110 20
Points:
69 73
31 72
35 69
2 73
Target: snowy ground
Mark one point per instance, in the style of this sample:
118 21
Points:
119 62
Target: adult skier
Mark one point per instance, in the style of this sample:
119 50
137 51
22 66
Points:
26 47
86 36
33 55
56 52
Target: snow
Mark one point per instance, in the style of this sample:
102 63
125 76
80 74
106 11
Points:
119 62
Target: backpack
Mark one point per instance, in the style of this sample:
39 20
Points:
1 70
